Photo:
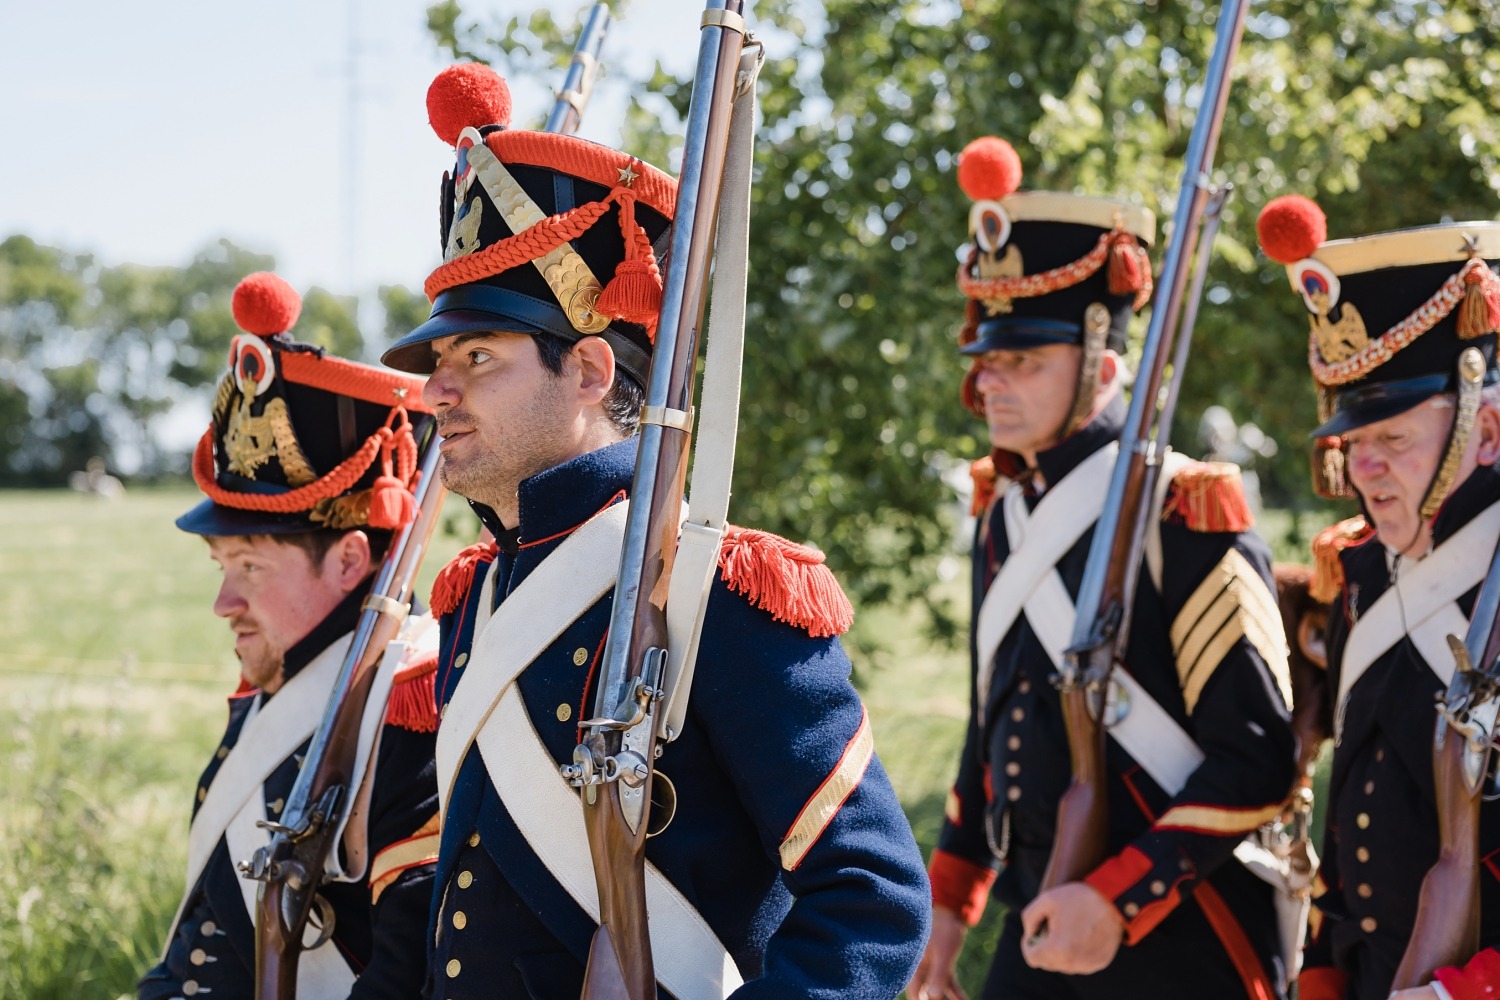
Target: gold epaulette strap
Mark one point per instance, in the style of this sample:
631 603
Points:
421 848
1231 603
827 800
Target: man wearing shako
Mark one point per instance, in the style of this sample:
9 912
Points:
789 863
308 467
1402 352
1200 751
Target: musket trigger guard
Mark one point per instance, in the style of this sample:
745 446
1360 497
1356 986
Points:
718 17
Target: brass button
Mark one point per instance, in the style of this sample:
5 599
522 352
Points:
1379 755
459 920
190 988
460 659
209 928
1024 686
474 839
198 956
1184 864
1018 714
564 712
221 753
465 879
1363 854
1014 743
1012 769
1362 821
1368 925
580 656
1013 793
1131 909
1369 787
278 805
1158 887
454 967
1364 890
202 793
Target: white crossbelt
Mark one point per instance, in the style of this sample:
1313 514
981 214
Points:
487 711
1421 603
235 801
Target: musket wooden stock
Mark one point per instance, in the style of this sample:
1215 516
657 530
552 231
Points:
1447 927
1106 595
619 963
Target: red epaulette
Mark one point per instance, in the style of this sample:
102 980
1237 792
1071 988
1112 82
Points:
1207 496
986 480
1328 571
454 580
413 702
786 579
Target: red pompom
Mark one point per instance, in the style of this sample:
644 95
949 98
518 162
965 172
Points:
1290 228
465 95
989 168
265 304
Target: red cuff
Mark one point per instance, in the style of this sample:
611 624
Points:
1479 980
1122 881
959 885
1322 983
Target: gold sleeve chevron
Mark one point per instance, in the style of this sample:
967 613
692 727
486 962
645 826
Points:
1232 603
829 798
419 849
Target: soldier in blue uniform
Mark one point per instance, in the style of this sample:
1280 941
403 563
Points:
307 465
1200 751
1403 354
789 864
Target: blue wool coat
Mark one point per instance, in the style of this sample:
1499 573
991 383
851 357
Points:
771 715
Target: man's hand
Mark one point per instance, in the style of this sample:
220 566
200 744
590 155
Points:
1071 929
1416 993
934 976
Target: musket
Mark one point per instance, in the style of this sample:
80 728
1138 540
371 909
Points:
1446 931
578 85
613 764
1107 593
291 866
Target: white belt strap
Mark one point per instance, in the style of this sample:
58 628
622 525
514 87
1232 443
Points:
1420 603
719 414
487 711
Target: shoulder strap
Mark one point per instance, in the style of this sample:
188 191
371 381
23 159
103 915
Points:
719 415
1421 603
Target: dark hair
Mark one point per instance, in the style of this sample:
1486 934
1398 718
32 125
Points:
317 543
623 402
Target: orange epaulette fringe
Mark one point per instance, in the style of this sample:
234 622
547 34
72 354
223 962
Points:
986 480
413 702
454 580
1208 496
786 579
1328 572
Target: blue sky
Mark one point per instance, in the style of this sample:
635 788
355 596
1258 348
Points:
142 131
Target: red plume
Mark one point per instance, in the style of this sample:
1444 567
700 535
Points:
989 168
465 95
265 304
1290 228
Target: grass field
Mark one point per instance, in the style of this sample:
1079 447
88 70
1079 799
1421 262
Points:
112 687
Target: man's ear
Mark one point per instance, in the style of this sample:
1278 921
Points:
1487 433
596 368
348 561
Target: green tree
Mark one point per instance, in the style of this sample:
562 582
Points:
1380 109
